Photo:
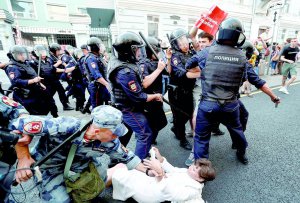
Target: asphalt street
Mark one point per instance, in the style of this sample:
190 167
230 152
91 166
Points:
272 174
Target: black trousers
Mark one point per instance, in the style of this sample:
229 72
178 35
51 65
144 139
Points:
56 86
182 109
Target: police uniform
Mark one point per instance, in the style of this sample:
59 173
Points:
221 77
31 96
181 96
53 131
9 110
56 85
154 110
77 85
96 69
85 81
65 58
48 72
129 97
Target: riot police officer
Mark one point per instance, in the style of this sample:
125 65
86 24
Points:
96 74
80 59
128 96
47 72
223 67
27 86
182 82
152 71
78 85
55 55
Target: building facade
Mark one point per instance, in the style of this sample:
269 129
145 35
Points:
31 22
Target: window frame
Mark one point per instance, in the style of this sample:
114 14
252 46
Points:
57 20
34 10
152 21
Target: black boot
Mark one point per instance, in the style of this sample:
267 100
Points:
217 132
185 144
67 107
54 115
79 106
241 155
85 110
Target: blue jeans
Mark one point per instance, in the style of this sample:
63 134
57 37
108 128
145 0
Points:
209 114
274 64
140 125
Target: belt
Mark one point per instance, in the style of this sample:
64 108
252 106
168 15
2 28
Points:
221 101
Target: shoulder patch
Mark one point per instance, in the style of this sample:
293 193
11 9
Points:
93 64
8 101
175 61
11 75
33 127
132 86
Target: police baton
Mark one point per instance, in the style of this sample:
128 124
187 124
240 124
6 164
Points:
175 107
148 45
39 65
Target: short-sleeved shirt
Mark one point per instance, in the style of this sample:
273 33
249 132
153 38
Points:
290 53
130 83
95 67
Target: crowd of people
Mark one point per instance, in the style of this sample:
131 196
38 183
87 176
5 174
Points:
125 96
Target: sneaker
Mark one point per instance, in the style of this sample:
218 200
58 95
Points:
284 90
190 160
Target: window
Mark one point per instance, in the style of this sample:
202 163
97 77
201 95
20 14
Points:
153 25
57 12
283 34
23 8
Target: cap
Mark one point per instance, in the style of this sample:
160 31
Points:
106 116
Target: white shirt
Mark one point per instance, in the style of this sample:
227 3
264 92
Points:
177 186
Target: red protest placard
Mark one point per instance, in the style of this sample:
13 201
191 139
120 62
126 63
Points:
210 23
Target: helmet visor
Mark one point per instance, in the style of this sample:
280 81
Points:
21 56
41 52
139 51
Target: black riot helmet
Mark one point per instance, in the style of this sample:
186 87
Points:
95 44
40 50
231 32
154 43
78 53
69 50
19 53
248 49
54 47
129 47
179 40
